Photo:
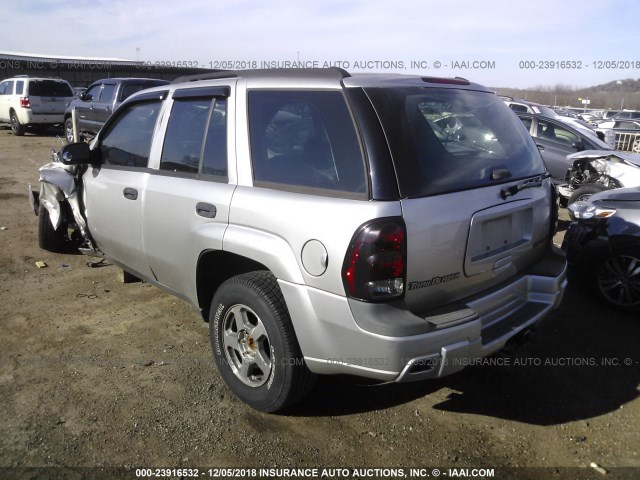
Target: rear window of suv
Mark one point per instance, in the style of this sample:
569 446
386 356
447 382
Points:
445 140
49 88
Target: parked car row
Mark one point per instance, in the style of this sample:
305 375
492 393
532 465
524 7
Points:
602 242
95 105
35 104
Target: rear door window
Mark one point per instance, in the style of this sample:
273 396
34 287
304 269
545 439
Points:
305 140
196 138
446 139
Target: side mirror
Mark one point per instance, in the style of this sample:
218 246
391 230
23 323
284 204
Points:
85 97
578 146
76 154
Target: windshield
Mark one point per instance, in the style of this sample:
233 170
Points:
444 140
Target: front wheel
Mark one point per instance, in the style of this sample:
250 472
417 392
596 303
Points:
49 238
68 130
618 280
583 194
254 343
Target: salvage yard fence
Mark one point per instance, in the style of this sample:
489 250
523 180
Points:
628 142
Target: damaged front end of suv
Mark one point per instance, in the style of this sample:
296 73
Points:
62 222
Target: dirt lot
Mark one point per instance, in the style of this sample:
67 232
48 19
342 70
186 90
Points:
94 372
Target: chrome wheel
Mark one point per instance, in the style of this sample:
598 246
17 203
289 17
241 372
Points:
68 130
636 146
619 281
246 346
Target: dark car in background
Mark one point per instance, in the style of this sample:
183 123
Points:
98 102
603 245
557 138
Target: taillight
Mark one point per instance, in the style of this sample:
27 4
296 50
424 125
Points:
374 268
24 102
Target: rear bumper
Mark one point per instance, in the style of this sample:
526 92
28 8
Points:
28 117
333 340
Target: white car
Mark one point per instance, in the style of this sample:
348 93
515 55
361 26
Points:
33 102
593 171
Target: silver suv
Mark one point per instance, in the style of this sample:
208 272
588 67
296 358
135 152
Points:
387 226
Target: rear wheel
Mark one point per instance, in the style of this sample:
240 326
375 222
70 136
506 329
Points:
16 127
254 344
582 194
618 280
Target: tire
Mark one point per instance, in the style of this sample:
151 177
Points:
49 238
254 344
68 130
618 280
583 193
16 127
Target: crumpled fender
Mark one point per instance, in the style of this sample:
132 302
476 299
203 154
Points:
58 182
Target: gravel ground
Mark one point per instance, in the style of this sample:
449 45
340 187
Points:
96 373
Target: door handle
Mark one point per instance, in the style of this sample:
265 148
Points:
540 147
206 210
130 193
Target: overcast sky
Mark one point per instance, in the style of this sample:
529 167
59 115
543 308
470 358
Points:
498 35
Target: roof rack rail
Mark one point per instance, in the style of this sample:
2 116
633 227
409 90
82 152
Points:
331 72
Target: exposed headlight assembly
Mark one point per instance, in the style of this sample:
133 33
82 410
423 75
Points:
589 211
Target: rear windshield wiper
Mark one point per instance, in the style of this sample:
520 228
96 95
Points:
531 183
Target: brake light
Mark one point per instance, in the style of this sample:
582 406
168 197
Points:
374 268
24 102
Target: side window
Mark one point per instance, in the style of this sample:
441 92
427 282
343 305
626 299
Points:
193 121
516 107
183 141
19 87
527 122
305 139
6 88
627 125
128 140
108 92
93 94
556 133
